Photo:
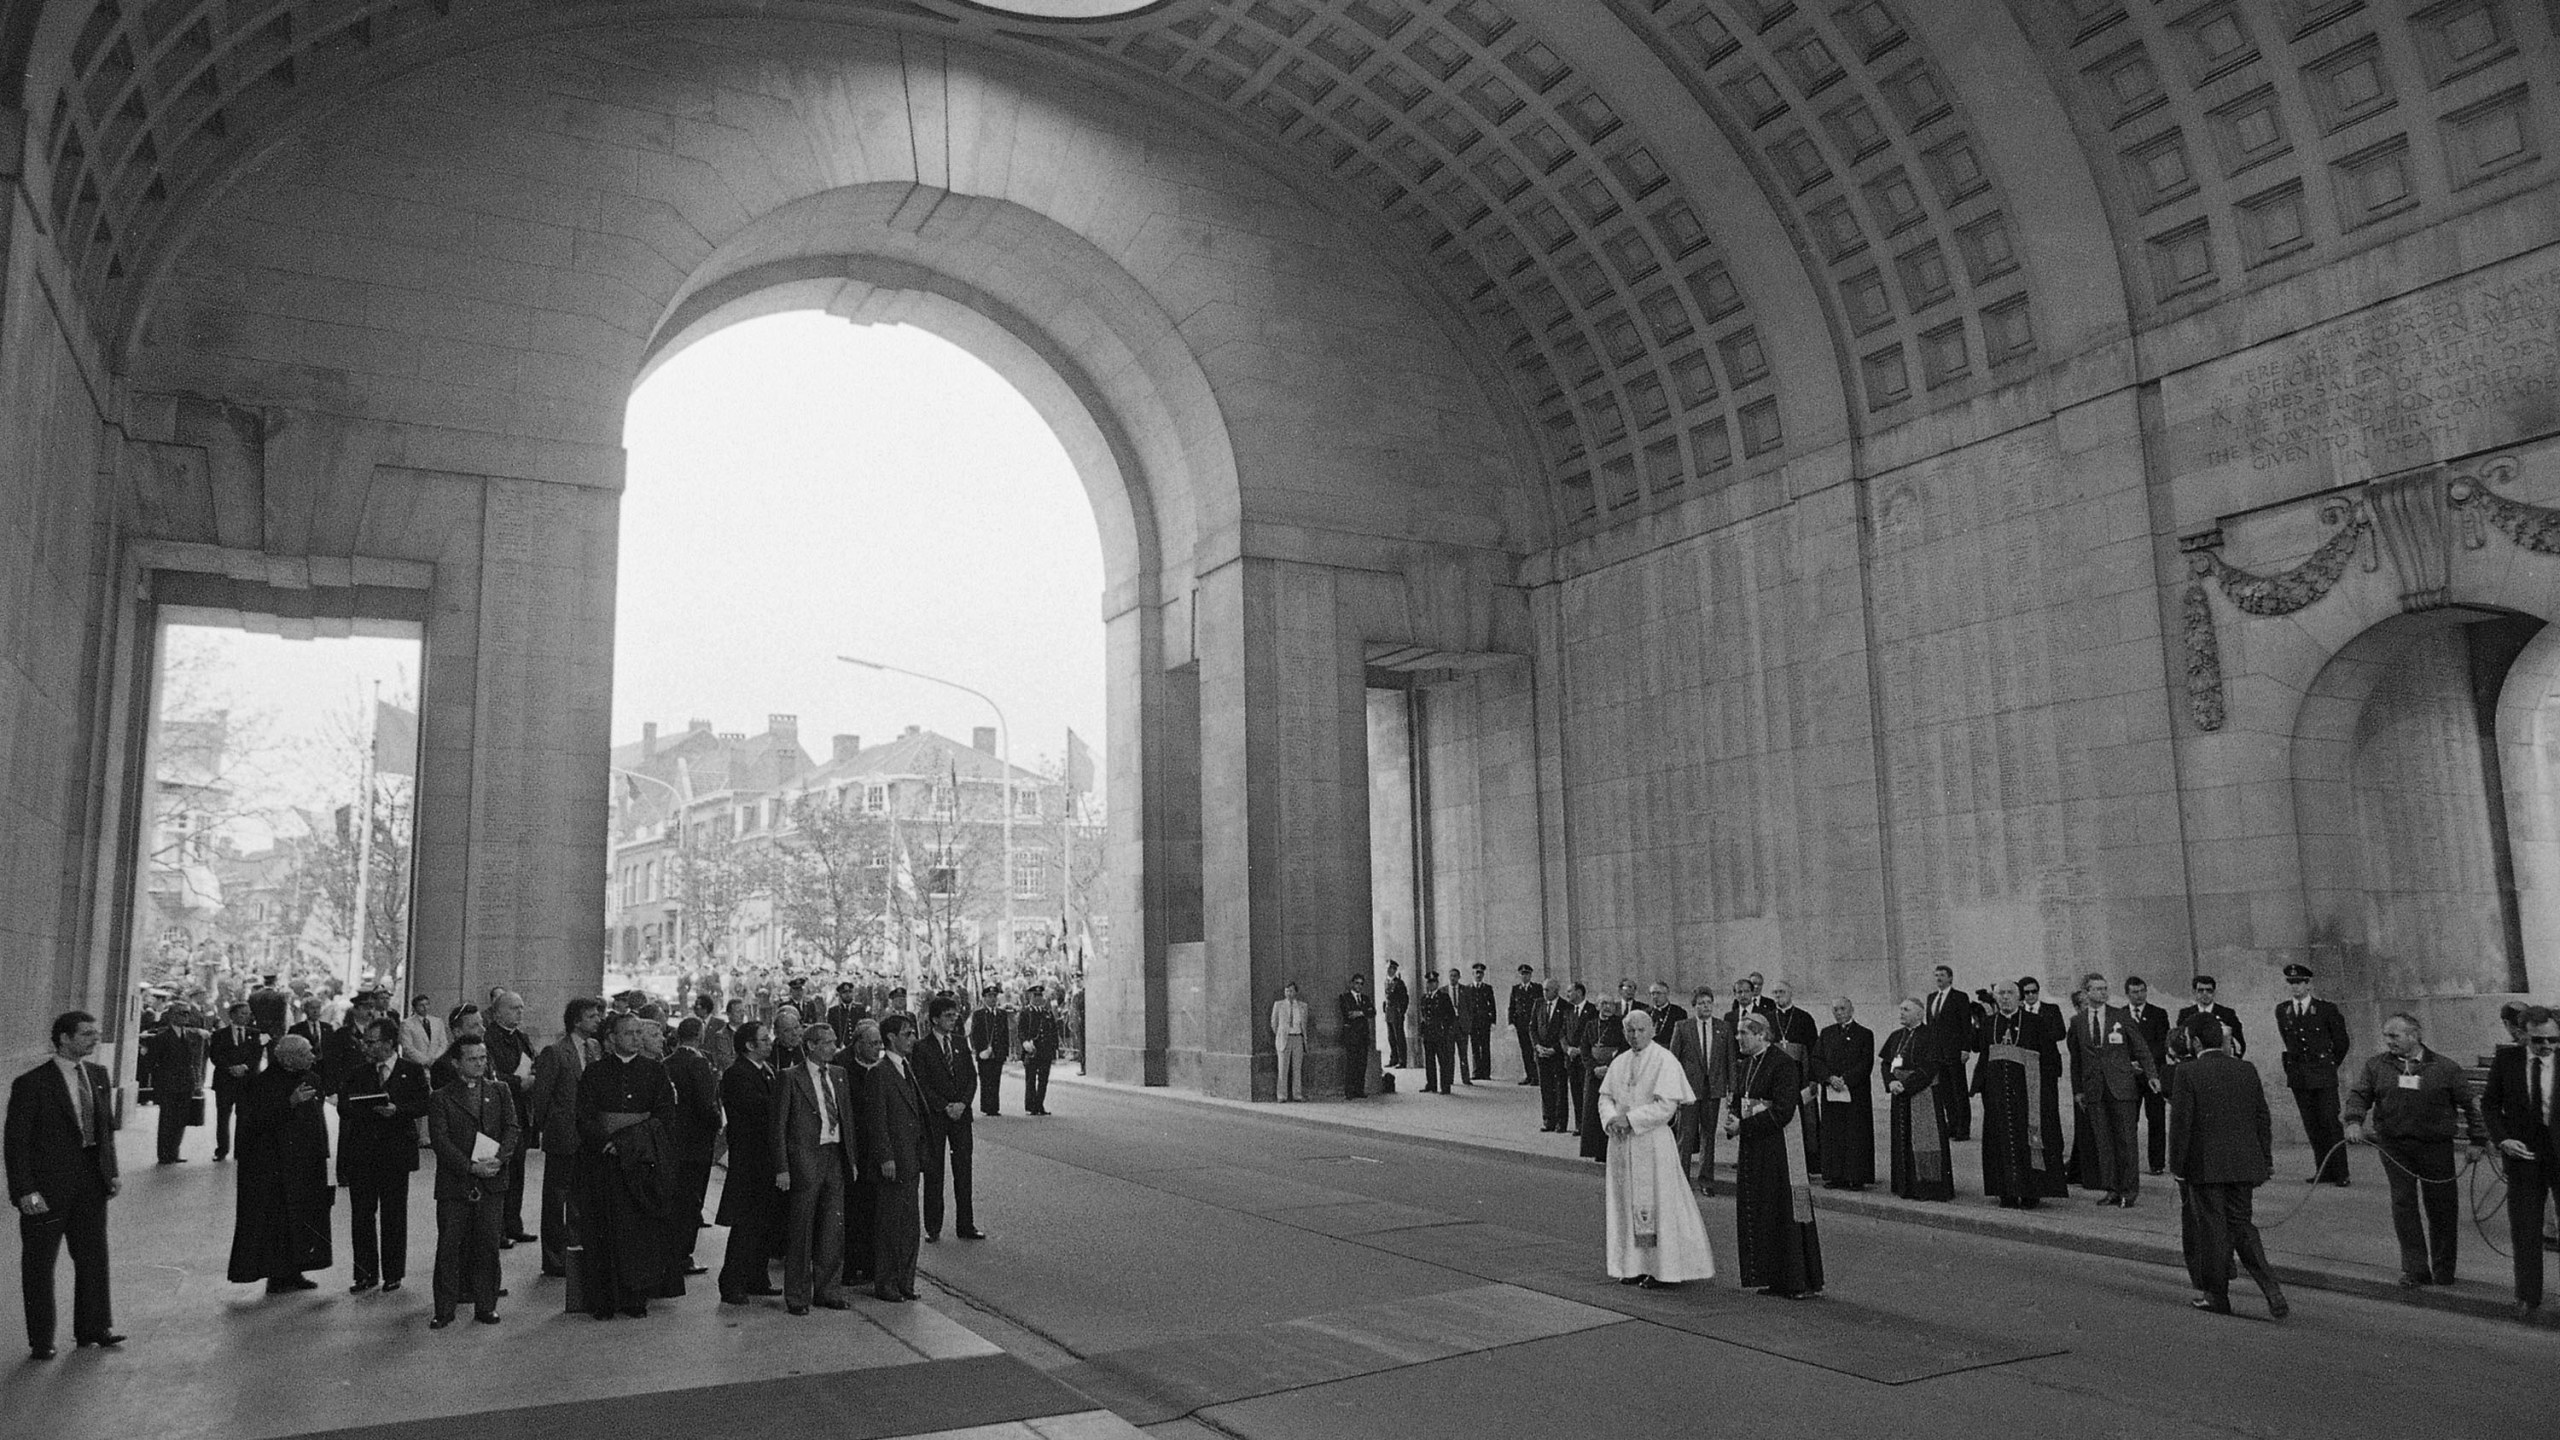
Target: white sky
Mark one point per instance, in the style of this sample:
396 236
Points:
297 703
801 487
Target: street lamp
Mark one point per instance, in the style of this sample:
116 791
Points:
675 912
1004 747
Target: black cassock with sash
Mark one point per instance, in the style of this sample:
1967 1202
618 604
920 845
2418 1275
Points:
2020 1082
1922 1169
626 1192
280 1227
1843 1056
1772 1198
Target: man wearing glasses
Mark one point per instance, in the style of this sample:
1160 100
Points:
2524 1088
2204 988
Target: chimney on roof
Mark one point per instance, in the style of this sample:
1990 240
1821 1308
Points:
845 747
649 741
983 738
783 727
697 727
913 729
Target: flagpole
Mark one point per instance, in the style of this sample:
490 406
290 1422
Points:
364 846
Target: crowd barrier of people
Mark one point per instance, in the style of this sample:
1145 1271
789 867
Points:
845 1130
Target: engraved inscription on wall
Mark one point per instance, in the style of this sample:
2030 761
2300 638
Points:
2458 368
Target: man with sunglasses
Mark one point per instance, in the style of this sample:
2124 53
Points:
2522 1107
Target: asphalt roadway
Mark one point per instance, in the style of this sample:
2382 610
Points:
1210 1271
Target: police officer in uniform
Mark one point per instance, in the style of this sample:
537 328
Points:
2315 1045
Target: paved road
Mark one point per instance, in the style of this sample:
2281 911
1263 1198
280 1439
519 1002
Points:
1206 1271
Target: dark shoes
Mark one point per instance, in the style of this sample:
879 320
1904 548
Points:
2412 1282
359 1287
1633 1280
691 1270
521 1238
2277 1309
972 1234
883 1292
797 1309
933 1237
1649 1283
439 1322
488 1319
835 1302
2526 1311
390 1285
2212 1304
289 1283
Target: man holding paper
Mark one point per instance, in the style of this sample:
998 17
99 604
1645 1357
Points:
381 1098
472 1125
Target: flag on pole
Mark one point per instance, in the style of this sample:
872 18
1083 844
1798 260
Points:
395 740
1079 766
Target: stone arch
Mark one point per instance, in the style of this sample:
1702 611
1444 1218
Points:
2401 813
1063 323
2528 737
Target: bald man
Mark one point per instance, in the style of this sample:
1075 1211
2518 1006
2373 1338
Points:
280 1225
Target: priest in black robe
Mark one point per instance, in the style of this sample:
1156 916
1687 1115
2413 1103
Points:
280 1221
627 1175
1844 1062
2019 1081
1605 1038
1916 1061
1772 1193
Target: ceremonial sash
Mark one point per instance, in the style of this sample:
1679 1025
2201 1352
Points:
1799 1188
1927 1150
2033 1065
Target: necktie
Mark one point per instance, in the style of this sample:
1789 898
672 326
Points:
826 1103
80 1106
2542 1087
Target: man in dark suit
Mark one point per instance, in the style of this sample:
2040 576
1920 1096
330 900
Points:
2153 1021
1949 1012
2235 1038
950 1079
1035 1034
2315 1045
813 1124
2221 1148
270 1008
2111 1067
470 1190
551 1118
1359 1016
990 1040
381 1099
1438 1032
60 1148
862 1066
750 1204
173 1061
1522 1016
236 1051
893 1121
1704 1048
1475 1010
2522 1108
694 1135
1399 1002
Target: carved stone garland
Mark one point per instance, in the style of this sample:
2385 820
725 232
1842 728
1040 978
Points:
2254 594
2533 527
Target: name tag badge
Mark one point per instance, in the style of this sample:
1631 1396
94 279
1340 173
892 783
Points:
2408 1082
2116 1036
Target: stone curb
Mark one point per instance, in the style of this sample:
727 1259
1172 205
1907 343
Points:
1991 1224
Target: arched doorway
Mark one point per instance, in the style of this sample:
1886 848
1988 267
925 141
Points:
2408 820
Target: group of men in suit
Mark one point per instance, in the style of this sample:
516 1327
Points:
837 1168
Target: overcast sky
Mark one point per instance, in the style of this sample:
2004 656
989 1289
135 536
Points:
801 487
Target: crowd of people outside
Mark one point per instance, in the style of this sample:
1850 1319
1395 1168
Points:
2152 1093
840 1119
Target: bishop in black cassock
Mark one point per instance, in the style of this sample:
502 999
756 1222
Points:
627 1176
2020 1081
280 1224
1773 1201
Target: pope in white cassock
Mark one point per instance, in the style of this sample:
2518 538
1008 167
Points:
1656 1236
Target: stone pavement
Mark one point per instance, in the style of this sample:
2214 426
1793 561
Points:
2319 1237
208 1358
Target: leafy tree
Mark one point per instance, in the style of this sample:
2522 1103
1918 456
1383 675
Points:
830 874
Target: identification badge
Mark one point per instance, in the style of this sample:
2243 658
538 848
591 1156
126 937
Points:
2116 1036
2408 1082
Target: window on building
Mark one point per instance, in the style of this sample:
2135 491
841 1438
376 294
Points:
942 872
1026 802
875 799
1030 871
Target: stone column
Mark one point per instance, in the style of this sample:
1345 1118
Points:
1285 799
